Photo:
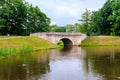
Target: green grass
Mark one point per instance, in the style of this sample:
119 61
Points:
26 48
8 51
101 41
12 51
11 46
60 44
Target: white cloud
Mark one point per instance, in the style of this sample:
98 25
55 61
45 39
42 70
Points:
93 9
53 23
64 10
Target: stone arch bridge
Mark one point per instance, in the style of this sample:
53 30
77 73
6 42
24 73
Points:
67 38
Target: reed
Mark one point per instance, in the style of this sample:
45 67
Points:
8 51
27 48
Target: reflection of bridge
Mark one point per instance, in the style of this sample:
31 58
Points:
67 38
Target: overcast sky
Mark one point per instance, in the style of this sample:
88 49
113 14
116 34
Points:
64 12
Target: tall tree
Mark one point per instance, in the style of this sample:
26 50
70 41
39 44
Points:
106 10
96 23
105 21
100 25
114 18
36 20
85 20
19 18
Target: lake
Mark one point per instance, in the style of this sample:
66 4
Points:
75 63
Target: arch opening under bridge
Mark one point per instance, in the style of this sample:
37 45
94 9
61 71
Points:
67 38
67 42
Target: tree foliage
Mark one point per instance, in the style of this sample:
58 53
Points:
85 21
71 28
19 18
115 17
55 28
105 21
95 24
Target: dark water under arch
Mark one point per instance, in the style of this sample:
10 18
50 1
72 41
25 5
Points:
68 44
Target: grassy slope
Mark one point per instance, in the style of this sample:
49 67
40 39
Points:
18 42
101 41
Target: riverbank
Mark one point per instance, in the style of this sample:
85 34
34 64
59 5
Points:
101 41
14 45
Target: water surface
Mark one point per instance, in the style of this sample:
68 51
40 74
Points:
90 63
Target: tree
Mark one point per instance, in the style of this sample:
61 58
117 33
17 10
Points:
85 21
19 18
105 21
36 20
80 28
55 28
100 25
71 28
108 19
105 11
114 18
96 23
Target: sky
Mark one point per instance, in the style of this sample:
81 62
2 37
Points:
64 12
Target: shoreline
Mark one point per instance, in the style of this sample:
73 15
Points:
23 44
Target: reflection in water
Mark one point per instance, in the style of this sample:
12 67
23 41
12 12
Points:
90 63
105 61
66 50
24 67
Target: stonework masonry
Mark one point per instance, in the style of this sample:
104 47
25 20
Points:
55 37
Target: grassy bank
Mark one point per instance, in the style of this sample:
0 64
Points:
101 41
23 44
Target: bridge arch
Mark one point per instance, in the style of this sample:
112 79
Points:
67 42
67 38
